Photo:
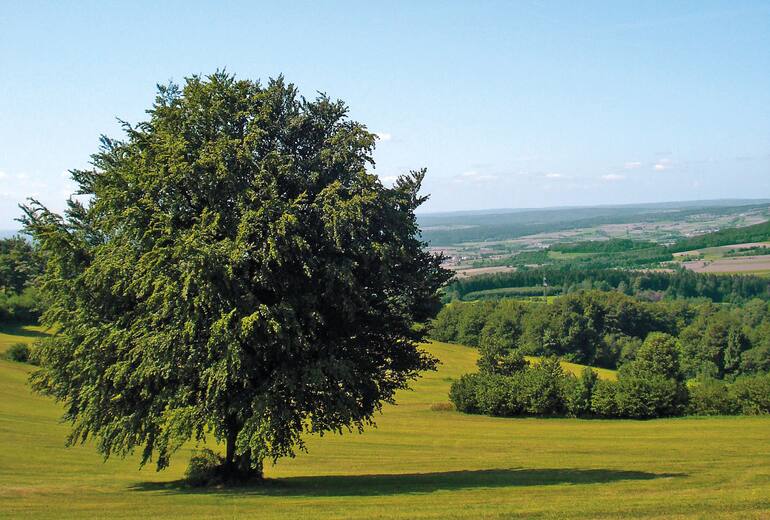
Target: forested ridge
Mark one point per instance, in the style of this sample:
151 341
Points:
655 284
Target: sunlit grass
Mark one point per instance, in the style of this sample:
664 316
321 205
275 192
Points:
418 463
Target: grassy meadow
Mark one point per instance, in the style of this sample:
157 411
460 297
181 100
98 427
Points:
417 463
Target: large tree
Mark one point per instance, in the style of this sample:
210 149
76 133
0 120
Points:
232 270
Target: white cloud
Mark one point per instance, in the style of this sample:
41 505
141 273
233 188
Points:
384 136
663 164
389 179
3 175
473 176
554 176
632 165
613 177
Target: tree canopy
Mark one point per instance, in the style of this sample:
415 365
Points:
234 271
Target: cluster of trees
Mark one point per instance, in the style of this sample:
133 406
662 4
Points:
20 264
614 245
652 385
607 329
653 285
742 235
748 251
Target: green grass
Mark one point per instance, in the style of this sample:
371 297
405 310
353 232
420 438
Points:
418 463
12 333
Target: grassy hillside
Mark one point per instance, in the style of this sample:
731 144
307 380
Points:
10 334
417 464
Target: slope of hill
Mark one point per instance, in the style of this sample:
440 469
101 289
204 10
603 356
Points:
741 235
417 464
447 229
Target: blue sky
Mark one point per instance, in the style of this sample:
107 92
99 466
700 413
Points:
508 104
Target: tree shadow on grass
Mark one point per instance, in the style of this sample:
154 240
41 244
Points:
16 329
373 485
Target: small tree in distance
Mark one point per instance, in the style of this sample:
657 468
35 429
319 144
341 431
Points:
236 273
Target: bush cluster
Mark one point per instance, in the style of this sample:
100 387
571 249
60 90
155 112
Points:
653 385
19 352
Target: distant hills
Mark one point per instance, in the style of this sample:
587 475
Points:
442 229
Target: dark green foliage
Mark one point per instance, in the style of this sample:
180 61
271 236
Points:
579 393
712 397
237 273
20 264
462 393
204 469
752 394
539 390
604 399
497 359
650 386
19 352
614 245
756 359
571 277
510 292
742 235
23 307
606 329
646 396
543 388
659 355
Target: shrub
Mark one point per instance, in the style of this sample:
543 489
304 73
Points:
578 393
659 354
711 397
756 359
463 393
603 398
205 469
19 352
497 358
645 395
752 394
543 387
498 395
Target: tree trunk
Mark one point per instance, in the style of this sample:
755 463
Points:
232 435
238 466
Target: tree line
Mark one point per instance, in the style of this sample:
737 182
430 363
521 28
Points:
654 285
608 328
20 264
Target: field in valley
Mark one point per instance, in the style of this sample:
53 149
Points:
734 258
417 463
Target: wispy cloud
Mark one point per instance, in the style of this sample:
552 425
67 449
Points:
632 165
554 176
611 177
384 136
474 177
662 164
